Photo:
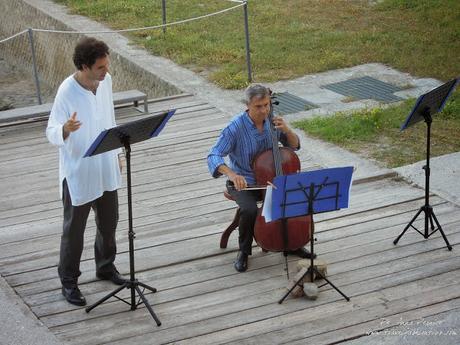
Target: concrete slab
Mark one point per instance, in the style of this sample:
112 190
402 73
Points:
444 177
19 324
310 87
327 155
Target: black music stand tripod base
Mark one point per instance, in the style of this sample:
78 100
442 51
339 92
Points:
133 285
427 209
312 270
429 217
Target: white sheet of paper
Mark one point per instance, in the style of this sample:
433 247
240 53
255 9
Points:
267 209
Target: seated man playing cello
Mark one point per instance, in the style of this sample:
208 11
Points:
247 135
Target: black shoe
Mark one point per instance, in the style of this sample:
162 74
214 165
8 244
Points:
241 263
302 253
114 277
73 295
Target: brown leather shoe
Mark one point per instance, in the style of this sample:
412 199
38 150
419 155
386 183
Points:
241 263
73 295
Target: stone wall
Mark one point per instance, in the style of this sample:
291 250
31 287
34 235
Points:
54 50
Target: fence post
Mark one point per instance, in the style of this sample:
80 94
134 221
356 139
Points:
34 62
246 31
163 7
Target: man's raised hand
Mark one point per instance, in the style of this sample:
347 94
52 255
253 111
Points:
71 125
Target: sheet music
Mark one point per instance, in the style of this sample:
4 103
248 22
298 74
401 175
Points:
267 208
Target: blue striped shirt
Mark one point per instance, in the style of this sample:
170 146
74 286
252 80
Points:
241 141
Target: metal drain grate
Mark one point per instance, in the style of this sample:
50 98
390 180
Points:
288 104
366 88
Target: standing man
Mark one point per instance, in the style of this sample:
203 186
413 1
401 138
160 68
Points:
245 136
83 107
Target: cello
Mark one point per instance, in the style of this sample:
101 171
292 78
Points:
286 234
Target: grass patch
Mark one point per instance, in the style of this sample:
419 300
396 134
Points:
293 38
376 133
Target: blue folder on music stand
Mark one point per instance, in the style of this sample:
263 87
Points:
136 131
330 191
431 102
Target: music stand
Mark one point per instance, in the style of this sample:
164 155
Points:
123 136
426 106
308 193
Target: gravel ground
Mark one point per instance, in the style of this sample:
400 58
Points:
17 87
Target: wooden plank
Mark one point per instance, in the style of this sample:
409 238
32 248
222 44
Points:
292 326
160 210
251 311
329 230
322 247
41 148
356 204
411 308
373 327
387 263
215 274
15 133
178 233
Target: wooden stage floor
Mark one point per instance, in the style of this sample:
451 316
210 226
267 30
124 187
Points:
179 214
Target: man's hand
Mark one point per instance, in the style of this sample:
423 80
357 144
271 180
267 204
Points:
292 138
70 126
238 181
281 124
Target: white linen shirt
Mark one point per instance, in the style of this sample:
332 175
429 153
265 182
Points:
87 178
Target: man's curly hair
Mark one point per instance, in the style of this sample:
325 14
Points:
87 51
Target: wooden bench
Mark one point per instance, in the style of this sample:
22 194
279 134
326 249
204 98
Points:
131 96
26 113
42 111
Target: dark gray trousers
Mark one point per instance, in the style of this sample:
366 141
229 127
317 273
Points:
72 239
247 202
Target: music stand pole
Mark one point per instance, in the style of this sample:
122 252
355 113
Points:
124 136
427 209
133 284
131 234
426 106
